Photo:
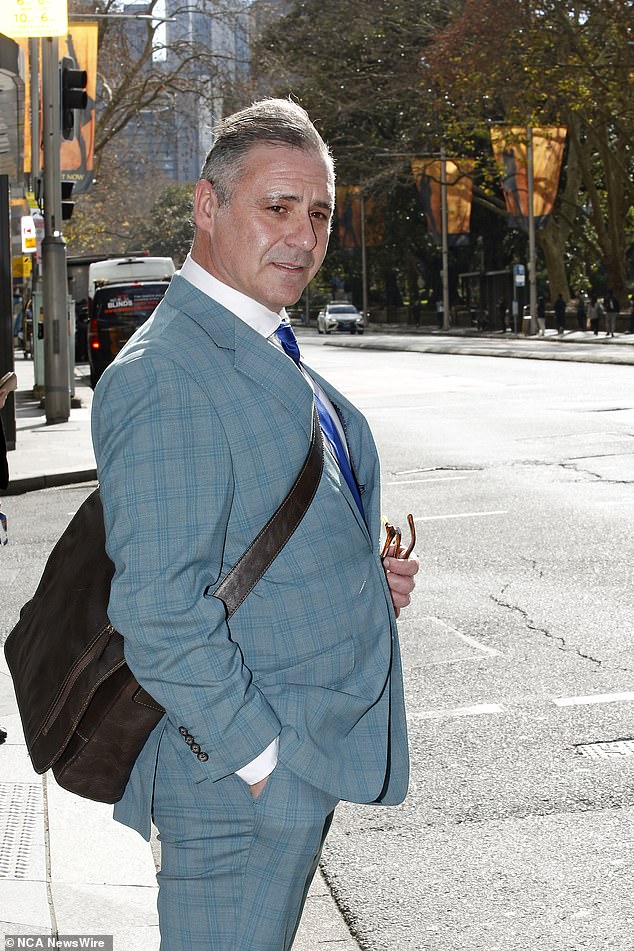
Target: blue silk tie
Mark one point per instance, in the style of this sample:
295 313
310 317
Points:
287 338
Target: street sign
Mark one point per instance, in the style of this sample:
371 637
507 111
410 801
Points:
519 275
29 237
23 18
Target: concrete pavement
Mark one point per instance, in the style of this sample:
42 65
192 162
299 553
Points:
65 866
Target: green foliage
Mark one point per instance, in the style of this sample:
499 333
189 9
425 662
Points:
386 80
169 229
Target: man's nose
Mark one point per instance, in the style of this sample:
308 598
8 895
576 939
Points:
303 234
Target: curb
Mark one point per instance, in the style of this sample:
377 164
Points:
396 344
52 480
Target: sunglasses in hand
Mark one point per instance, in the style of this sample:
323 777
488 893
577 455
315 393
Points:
393 540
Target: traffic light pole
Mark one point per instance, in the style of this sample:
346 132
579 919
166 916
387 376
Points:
444 213
56 369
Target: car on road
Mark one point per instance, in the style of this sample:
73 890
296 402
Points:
341 317
117 310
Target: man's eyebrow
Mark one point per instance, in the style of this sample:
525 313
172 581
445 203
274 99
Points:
282 196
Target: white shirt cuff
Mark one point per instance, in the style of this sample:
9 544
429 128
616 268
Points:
262 766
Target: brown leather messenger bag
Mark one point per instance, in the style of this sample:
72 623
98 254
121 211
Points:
84 715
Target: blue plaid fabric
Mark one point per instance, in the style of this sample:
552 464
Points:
234 871
186 429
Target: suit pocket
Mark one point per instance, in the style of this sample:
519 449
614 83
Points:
327 667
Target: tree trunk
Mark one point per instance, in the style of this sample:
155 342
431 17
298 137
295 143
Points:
552 245
553 237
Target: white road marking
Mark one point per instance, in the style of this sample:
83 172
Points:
435 518
423 481
593 698
475 711
471 641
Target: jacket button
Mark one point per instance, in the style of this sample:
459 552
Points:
195 748
189 739
203 757
183 730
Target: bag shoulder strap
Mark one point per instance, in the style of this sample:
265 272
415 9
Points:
267 545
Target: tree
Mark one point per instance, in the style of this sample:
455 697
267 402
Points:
363 94
152 74
552 60
148 64
105 218
169 229
405 75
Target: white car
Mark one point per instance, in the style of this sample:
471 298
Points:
341 317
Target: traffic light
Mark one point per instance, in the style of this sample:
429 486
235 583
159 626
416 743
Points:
67 204
74 95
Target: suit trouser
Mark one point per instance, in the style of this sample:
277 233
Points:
235 870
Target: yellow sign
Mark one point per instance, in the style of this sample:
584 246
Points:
21 266
23 18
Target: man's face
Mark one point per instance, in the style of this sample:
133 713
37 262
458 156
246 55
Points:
270 239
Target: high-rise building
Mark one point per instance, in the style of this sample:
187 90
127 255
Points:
205 53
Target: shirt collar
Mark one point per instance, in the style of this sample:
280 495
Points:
258 317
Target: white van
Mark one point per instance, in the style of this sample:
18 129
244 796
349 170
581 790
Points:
125 270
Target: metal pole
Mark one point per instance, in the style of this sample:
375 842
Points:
364 263
36 144
532 258
6 307
444 214
56 372
34 63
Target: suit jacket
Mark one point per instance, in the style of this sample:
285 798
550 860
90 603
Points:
200 427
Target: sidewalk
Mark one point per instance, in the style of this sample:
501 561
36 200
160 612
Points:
47 456
65 866
572 346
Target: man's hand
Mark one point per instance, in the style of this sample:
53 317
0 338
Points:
257 788
400 578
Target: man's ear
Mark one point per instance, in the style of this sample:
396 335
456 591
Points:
205 205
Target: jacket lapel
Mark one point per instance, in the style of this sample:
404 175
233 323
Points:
254 356
270 368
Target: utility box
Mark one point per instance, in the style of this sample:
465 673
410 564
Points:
38 344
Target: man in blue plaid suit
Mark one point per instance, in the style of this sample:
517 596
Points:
200 427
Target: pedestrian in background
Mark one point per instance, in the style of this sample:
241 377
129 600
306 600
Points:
612 309
541 317
581 312
502 311
296 702
560 314
595 312
631 327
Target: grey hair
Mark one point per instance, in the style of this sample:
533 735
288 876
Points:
267 121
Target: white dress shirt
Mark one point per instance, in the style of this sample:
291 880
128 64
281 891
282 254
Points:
265 322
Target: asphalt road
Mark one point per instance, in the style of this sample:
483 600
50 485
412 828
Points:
520 476
517 651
